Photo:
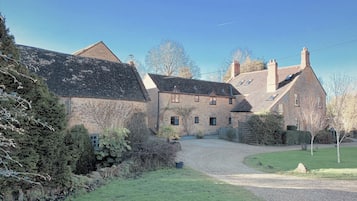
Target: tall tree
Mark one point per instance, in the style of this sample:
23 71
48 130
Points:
168 58
342 107
247 64
313 117
32 148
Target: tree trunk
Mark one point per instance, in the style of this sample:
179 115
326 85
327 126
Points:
312 145
338 146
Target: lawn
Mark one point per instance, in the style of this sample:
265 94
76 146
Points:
168 184
322 164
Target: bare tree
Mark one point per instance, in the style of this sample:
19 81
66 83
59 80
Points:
243 56
185 72
185 113
168 58
132 60
313 117
342 108
109 114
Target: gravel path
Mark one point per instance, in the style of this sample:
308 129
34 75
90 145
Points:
224 161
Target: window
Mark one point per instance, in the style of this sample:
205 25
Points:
248 82
297 101
230 101
175 120
197 98
230 120
213 101
94 138
197 120
212 121
175 98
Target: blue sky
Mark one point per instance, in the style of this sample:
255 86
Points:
209 30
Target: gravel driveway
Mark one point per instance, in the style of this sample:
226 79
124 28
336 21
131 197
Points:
224 161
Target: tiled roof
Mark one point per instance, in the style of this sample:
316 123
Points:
254 86
74 76
192 86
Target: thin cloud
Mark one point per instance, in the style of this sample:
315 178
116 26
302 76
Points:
225 23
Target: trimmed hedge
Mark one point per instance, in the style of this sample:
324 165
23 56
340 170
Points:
296 137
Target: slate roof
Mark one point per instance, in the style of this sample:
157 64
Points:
254 86
74 76
192 86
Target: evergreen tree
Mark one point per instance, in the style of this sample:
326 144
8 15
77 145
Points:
40 149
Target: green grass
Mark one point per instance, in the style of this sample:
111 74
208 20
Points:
322 164
168 184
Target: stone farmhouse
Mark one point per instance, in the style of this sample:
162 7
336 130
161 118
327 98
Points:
190 106
91 89
289 91
94 81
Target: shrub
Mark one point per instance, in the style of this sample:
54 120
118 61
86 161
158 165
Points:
200 135
168 132
296 137
231 134
266 128
325 137
80 149
153 154
139 132
112 146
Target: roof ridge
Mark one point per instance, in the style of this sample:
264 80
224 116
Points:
86 48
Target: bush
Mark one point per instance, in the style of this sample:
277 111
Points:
153 154
112 147
297 137
200 135
168 132
139 132
79 146
231 134
325 137
266 128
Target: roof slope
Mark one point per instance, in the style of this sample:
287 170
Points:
73 76
254 86
192 86
98 51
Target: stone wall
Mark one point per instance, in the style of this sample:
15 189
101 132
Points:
95 114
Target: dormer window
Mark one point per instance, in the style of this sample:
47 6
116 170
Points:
241 82
213 100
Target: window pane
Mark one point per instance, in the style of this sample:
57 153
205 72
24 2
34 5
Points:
175 120
212 121
197 120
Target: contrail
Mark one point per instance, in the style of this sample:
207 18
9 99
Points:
225 23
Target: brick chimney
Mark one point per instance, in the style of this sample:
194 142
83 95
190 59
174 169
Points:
305 58
272 79
235 69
